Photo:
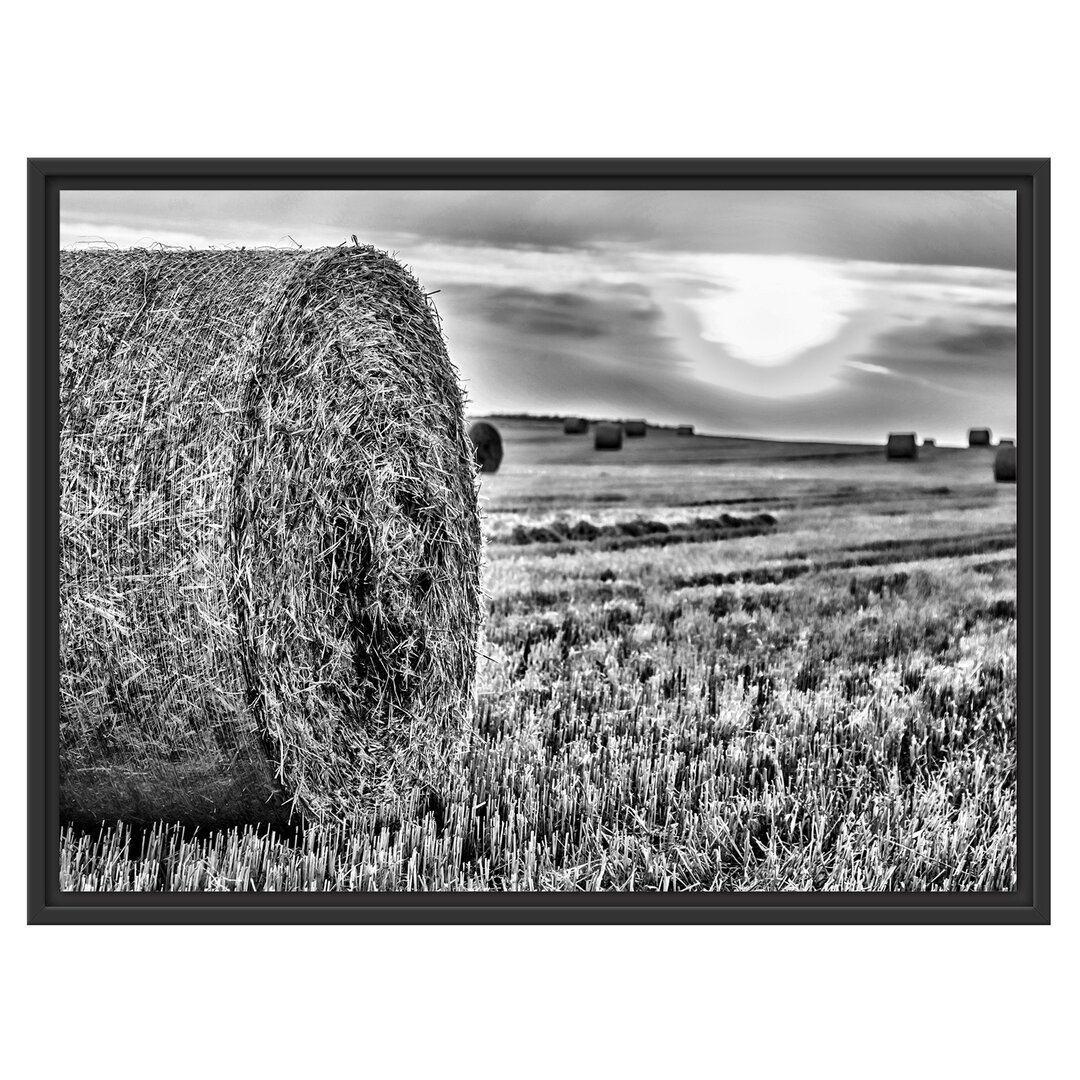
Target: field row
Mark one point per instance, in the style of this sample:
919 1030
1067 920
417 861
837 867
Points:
847 729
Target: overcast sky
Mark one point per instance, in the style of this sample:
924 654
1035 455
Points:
807 314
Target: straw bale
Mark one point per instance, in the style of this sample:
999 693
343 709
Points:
608 437
1005 464
901 446
269 536
487 446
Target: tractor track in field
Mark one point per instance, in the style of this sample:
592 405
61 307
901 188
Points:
969 498
875 553
562 538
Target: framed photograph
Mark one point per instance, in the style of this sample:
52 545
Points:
539 541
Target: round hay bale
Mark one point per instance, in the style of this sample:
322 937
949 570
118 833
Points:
1006 442
635 429
269 567
607 437
979 436
930 444
902 446
487 446
575 425
1005 464
685 429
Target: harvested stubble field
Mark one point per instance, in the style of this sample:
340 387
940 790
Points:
709 664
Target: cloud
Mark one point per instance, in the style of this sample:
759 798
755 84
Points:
598 350
982 341
873 369
574 315
951 228
809 314
963 345
768 310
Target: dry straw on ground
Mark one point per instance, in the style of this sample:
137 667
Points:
487 446
979 436
901 446
269 536
575 425
607 437
1005 464
635 429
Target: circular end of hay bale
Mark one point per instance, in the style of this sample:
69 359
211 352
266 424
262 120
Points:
269 570
979 437
575 425
1005 464
608 437
635 429
902 446
487 446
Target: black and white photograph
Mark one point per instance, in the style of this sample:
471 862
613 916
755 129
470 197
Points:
583 540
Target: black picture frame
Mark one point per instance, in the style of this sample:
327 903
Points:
1028 177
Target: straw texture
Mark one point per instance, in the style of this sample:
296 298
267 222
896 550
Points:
269 539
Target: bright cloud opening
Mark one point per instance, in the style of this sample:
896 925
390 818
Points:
771 309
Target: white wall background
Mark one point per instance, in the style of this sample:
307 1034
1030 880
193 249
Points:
491 79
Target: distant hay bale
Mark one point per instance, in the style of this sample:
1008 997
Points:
930 444
269 536
979 436
1005 464
575 425
901 446
635 429
1006 442
487 446
685 429
608 437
